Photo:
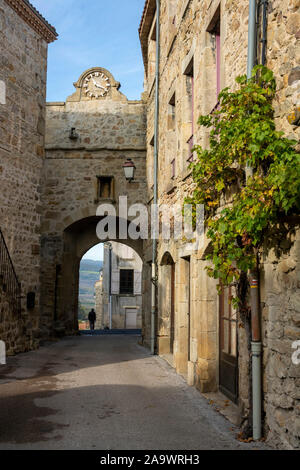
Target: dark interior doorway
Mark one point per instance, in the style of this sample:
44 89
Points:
228 360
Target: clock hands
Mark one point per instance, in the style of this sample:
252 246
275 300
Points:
103 89
97 84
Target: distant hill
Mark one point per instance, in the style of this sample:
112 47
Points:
90 264
89 273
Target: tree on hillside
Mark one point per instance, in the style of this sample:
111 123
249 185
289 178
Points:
82 312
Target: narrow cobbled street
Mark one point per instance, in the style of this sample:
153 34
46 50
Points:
105 393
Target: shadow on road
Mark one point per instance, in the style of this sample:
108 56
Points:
95 350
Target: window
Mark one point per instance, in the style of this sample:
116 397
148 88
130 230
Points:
172 137
172 113
126 281
189 75
151 55
150 165
214 29
218 57
172 27
106 187
173 169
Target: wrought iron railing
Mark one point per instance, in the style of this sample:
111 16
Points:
8 279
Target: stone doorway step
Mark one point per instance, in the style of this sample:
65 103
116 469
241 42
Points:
168 358
223 405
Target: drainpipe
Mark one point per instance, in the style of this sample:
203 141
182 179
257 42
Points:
264 31
109 286
251 55
155 195
256 352
256 345
251 37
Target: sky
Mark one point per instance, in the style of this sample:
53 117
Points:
93 33
95 253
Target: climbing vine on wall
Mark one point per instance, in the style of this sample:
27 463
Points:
240 213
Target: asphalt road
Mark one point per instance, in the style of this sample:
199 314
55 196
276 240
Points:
105 393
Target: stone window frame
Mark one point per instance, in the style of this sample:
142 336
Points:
172 130
151 52
126 287
172 24
214 29
188 71
2 92
151 161
173 169
111 196
172 112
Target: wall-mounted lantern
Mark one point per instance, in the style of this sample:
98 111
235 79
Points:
129 169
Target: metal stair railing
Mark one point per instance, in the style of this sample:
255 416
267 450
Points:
8 278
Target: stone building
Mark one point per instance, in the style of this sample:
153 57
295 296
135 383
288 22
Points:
59 162
122 277
99 302
88 139
203 47
24 39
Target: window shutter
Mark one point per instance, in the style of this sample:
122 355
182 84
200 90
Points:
115 282
137 283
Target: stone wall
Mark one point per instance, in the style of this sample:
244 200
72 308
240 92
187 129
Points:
11 328
23 69
280 284
122 257
108 130
188 38
99 303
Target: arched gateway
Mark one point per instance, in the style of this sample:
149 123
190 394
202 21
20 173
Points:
88 139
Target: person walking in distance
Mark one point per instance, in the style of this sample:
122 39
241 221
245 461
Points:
92 319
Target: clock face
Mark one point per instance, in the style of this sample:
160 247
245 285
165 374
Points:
96 85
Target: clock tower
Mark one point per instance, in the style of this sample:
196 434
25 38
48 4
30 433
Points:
96 84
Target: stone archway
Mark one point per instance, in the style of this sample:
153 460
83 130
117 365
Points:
60 275
88 139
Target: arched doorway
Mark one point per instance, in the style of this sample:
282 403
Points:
111 284
60 273
90 288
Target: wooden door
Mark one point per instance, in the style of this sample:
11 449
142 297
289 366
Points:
172 323
131 320
228 374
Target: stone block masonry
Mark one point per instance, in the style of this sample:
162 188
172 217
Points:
203 48
58 163
24 38
88 139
